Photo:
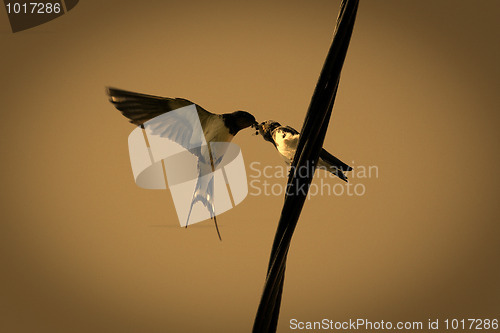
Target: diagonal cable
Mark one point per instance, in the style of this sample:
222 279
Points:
303 166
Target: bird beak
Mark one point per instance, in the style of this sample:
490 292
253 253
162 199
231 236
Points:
255 126
263 130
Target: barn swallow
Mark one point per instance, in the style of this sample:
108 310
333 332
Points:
286 138
139 108
142 108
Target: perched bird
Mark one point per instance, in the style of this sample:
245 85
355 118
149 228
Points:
286 138
142 108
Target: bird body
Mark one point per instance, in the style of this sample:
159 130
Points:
215 130
286 139
181 127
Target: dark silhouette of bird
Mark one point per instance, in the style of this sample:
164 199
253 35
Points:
139 108
286 138
143 109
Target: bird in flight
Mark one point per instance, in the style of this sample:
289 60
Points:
286 138
141 108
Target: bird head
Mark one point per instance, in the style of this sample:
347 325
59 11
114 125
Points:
239 120
266 129
244 119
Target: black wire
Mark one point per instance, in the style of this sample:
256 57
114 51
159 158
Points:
306 156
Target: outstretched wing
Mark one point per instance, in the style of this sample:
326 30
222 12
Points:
161 121
139 108
154 112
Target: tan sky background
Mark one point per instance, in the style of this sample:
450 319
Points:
83 249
